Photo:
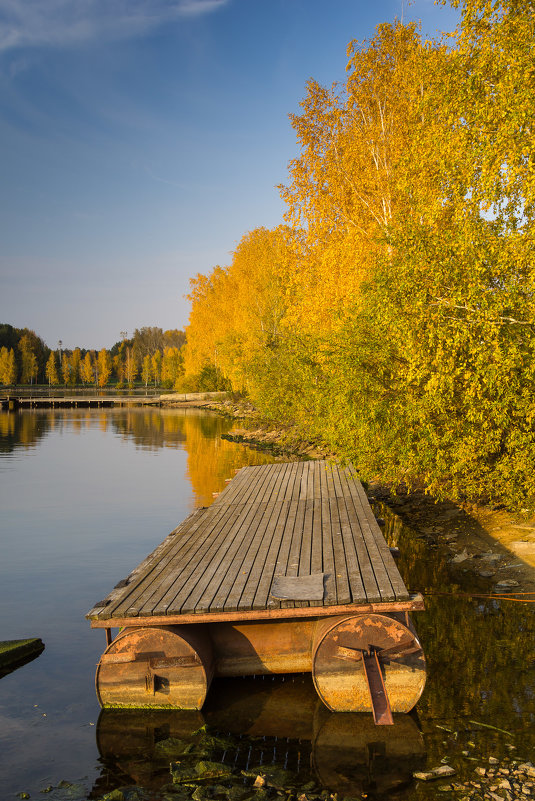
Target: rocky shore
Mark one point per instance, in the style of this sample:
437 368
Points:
487 543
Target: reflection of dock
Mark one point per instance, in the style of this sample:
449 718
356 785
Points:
249 723
287 571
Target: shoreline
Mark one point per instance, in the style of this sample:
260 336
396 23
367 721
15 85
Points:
493 545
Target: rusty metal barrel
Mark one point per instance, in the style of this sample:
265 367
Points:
368 663
156 666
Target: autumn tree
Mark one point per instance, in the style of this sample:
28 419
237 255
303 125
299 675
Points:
130 366
87 371
66 367
8 367
156 366
76 362
236 314
172 367
28 360
146 370
104 367
52 370
431 376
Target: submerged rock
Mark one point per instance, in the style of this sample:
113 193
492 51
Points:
435 773
274 776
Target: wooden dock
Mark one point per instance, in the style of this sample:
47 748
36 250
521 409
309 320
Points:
11 402
276 567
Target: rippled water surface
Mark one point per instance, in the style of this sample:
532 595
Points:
84 496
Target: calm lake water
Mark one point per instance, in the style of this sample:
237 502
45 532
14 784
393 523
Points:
84 496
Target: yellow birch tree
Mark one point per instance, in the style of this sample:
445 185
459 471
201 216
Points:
52 370
104 367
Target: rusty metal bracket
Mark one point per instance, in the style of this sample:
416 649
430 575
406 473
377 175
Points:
382 714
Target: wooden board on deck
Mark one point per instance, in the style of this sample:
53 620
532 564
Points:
295 519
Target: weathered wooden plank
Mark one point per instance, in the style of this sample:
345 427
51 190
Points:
352 561
316 556
261 597
204 582
278 510
395 577
414 604
305 555
287 561
237 592
230 575
207 573
290 548
303 488
328 553
239 482
382 557
206 560
153 585
240 492
343 592
231 588
371 588
380 572
295 466
149 567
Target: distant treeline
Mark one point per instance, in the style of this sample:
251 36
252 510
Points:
150 356
392 316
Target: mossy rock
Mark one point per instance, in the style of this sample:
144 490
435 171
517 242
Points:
173 746
275 777
201 772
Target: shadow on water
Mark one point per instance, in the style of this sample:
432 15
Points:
274 726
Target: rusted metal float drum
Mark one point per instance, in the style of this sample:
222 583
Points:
368 663
163 666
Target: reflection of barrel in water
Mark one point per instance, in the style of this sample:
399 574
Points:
134 745
270 720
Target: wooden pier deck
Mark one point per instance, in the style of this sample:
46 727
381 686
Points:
303 530
287 571
11 402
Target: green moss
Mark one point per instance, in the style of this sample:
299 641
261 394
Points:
12 651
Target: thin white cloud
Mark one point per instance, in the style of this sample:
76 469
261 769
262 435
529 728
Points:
68 23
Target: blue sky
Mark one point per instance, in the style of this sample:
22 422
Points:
141 139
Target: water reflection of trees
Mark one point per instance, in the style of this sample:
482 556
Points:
211 460
479 650
21 430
